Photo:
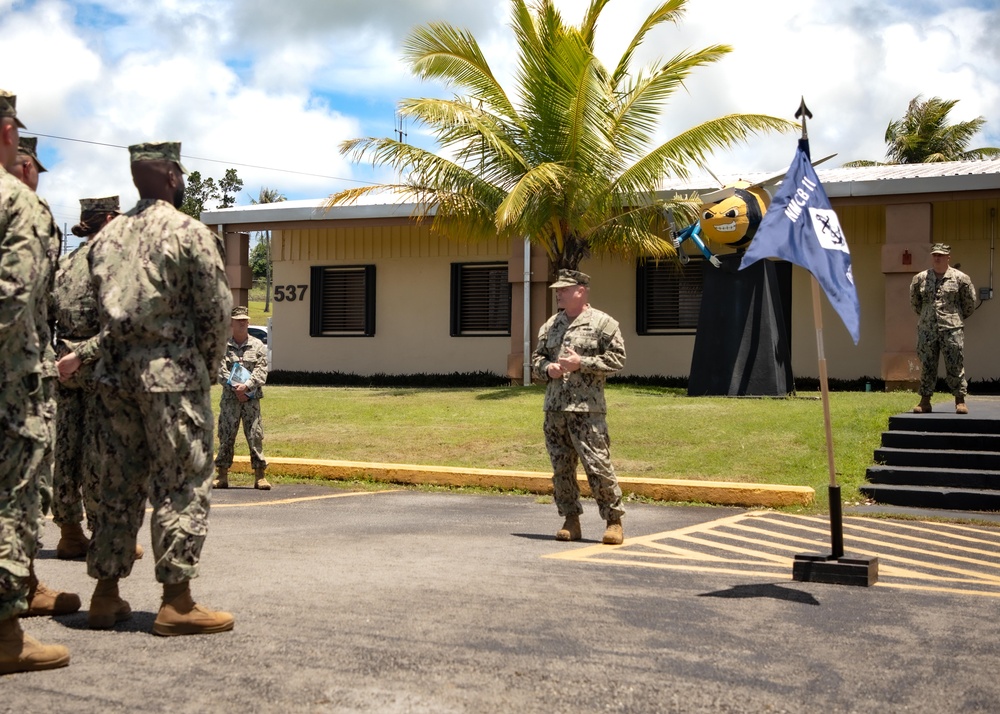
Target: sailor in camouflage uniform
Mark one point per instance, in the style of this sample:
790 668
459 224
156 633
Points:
27 167
163 304
76 346
943 297
242 401
26 230
578 348
42 600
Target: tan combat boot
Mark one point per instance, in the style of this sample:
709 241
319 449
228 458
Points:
613 534
222 478
924 407
20 652
570 529
45 601
180 615
259 481
106 606
960 407
73 542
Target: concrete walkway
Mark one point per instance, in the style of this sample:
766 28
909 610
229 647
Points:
723 493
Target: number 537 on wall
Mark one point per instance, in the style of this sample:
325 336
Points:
289 292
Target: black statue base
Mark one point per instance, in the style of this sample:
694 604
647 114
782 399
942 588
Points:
741 348
836 571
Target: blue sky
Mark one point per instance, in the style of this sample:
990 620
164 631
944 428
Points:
278 85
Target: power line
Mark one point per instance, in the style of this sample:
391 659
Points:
201 158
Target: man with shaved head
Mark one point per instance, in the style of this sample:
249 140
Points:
26 234
163 304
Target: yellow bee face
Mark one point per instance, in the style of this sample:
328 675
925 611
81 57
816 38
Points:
733 221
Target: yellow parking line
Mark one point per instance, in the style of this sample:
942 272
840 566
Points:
882 554
736 549
994 552
764 538
282 501
929 588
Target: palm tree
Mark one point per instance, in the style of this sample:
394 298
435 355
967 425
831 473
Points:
924 135
567 159
268 195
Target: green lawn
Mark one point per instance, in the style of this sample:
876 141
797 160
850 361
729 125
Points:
655 432
257 314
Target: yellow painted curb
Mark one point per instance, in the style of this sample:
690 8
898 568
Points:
718 492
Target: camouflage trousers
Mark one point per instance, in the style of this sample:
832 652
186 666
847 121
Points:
231 412
582 436
156 445
44 468
73 475
24 435
951 345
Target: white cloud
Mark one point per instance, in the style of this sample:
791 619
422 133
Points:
282 84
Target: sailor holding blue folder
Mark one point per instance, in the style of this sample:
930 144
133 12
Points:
242 374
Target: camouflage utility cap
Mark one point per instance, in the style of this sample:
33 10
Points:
941 248
108 203
28 145
8 107
157 151
569 278
241 313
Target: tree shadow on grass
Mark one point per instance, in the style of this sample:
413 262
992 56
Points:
507 393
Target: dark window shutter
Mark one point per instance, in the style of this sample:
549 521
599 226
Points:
668 297
480 299
343 301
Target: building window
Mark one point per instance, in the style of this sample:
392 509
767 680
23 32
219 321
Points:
480 299
668 297
343 301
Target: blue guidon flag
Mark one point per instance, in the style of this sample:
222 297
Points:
801 227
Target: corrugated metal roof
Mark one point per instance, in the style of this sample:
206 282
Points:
894 180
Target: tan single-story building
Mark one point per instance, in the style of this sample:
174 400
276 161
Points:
367 289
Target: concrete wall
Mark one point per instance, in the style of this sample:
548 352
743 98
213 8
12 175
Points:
412 303
413 284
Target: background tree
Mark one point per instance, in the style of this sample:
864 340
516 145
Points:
266 195
200 194
258 258
567 159
923 135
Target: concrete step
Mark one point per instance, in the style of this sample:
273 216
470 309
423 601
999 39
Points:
946 423
941 440
939 458
940 478
960 499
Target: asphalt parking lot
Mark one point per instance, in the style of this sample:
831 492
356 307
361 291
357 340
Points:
414 601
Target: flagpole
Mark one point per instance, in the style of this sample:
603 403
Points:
836 515
836 512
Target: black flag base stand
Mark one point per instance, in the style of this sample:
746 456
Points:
835 568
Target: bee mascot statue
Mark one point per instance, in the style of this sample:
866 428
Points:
742 346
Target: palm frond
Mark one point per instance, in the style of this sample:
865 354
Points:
923 134
641 105
589 25
670 11
692 148
457 122
862 163
541 186
443 52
